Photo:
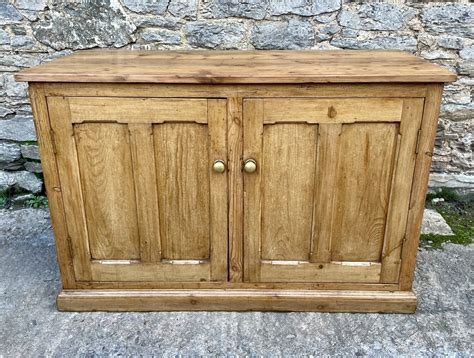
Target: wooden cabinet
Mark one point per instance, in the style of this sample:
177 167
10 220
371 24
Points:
236 181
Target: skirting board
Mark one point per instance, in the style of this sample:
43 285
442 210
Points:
237 300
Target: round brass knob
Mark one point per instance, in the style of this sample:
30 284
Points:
250 165
218 166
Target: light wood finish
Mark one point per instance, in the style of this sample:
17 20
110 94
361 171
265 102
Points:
237 300
337 110
145 110
420 184
237 67
329 221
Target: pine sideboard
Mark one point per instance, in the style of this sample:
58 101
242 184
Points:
236 180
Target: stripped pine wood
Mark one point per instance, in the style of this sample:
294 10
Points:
107 182
144 218
288 166
144 171
69 177
252 148
365 163
218 189
182 163
337 110
145 110
237 67
53 186
420 184
234 161
400 195
238 300
324 199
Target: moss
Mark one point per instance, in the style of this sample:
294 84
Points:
38 201
458 211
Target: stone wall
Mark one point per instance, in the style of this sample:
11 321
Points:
34 31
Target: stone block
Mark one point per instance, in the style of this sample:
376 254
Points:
19 129
20 181
30 151
215 35
294 34
9 152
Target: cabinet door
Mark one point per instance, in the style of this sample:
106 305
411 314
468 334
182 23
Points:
141 200
329 199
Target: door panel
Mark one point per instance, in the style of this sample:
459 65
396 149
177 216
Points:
183 176
147 206
322 205
286 210
364 174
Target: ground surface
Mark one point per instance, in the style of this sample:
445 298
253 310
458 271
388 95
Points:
30 325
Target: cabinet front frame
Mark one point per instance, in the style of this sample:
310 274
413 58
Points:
431 92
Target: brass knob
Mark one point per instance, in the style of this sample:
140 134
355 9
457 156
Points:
250 165
218 166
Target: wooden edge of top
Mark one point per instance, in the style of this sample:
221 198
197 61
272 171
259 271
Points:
39 73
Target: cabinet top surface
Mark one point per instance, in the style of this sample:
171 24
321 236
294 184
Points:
227 67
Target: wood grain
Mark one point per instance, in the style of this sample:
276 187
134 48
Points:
400 193
122 66
107 183
337 110
365 164
182 163
287 181
132 110
237 300
420 184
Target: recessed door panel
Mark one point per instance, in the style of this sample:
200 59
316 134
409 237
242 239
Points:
142 200
324 202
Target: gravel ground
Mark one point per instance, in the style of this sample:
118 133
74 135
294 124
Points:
30 325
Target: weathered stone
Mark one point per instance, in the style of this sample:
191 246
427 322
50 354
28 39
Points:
452 19
223 35
434 223
466 68
326 18
14 88
84 25
294 34
304 7
168 22
21 200
376 16
4 111
437 55
404 42
37 5
23 42
457 112
8 14
451 42
164 37
325 32
445 180
31 15
20 129
252 9
467 53
183 8
20 181
30 151
4 37
146 6
33 167
19 60
9 152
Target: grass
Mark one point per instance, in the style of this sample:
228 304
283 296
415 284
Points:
458 211
3 200
38 201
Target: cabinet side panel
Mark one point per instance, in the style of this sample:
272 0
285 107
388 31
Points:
108 186
366 160
182 164
52 183
420 183
288 167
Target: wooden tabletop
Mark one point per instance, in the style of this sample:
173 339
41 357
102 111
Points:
339 66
